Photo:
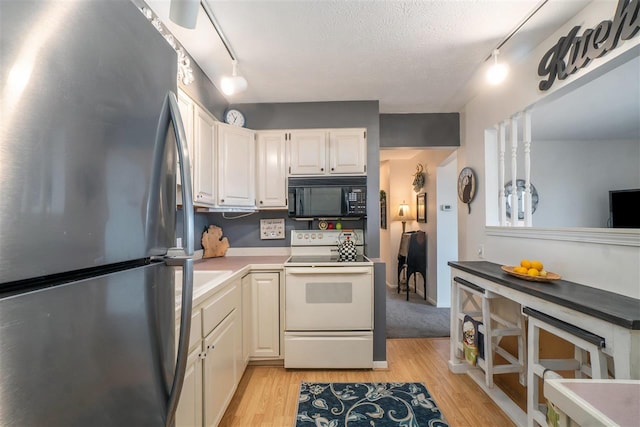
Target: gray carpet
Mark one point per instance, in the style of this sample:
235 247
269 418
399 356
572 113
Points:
415 318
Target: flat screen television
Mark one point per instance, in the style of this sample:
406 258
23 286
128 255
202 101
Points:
623 208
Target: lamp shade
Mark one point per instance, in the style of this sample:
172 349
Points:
403 213
184 12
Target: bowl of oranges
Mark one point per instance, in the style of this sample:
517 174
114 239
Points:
532 270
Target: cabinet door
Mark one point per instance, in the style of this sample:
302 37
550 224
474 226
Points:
272 170
307 152
246 319
347 151
265 304
220 369
204 147
186 106
236 166
189 412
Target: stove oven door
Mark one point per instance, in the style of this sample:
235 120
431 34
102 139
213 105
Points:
329 298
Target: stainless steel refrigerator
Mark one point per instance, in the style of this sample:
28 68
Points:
88 133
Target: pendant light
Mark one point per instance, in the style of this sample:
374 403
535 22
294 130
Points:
184 12
497 72
235 83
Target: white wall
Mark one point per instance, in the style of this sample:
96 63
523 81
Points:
605 266
576 193
447 237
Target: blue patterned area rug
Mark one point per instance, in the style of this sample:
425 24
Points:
367 405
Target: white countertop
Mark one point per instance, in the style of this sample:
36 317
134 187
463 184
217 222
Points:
591 402
238 266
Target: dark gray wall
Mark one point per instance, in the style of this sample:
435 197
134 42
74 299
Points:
205 93
380 311
419 130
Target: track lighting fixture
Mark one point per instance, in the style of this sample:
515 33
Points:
184 12
497 72
235 83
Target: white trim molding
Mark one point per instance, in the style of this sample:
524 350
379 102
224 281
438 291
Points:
604 236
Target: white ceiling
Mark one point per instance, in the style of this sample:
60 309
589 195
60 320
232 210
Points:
414 56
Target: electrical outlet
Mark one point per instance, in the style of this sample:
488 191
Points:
481 251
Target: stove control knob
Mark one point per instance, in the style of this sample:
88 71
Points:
313 236
299 236
319 235
306 236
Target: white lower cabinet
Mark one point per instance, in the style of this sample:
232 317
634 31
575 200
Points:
246 319
215 363
189 411
220 370
265 315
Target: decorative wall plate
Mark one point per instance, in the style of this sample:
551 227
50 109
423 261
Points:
467 186
520 188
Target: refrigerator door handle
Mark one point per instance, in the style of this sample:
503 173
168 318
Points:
183 258
185 176
183 340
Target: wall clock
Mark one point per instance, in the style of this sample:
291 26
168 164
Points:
467 186
234 117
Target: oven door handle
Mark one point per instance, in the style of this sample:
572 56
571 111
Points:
327 270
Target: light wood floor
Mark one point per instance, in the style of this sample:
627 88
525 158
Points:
267 396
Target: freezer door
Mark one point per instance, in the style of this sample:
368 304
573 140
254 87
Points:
87 82
98 352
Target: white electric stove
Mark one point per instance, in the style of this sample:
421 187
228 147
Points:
328 302
320 248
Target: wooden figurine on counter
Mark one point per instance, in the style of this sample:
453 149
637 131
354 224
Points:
213 243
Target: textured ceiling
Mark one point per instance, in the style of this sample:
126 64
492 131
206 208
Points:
414 56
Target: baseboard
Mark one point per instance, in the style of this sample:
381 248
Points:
380 364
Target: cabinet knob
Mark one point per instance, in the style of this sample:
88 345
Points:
332 169
260 201
221 200
321 169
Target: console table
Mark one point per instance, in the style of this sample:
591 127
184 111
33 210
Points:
614 317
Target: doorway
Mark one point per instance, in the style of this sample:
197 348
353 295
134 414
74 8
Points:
420 316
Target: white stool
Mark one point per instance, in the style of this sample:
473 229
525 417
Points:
585 343
471 300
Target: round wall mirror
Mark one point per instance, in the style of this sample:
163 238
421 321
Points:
508 190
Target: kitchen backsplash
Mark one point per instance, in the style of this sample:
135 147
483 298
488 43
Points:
245 232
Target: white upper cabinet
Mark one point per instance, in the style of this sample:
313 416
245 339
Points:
199 127
347 151
204 148
272 169
236 166
328 151
307 150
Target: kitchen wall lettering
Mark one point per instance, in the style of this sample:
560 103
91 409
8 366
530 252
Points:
572 52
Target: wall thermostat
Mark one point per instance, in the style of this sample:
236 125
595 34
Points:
445 207
271 229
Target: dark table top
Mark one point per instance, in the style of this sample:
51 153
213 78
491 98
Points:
615 308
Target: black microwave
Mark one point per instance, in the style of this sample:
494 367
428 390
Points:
325 197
